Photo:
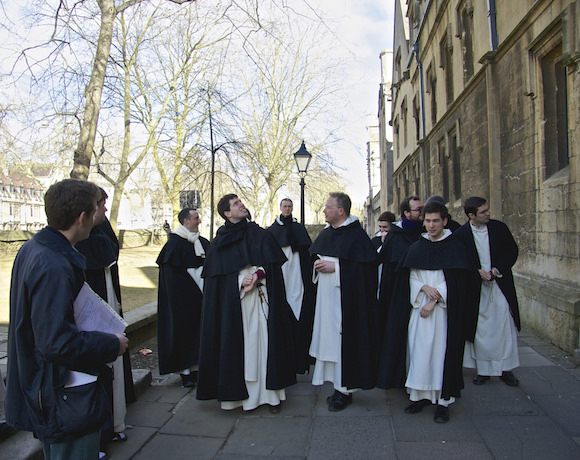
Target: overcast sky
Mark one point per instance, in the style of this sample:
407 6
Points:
366 29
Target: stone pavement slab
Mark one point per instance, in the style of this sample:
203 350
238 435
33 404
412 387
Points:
270 436
352 437
526 438
164 446
421 427
445 450
201 418
149 414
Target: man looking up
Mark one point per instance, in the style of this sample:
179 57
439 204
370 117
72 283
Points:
179 298
247 352
344 342
47 354
491 246
435 269
402 235
294 241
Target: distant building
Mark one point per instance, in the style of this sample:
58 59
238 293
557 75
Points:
21 203
379 150
485 98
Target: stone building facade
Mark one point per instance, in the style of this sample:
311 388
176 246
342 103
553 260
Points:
485 102
21 203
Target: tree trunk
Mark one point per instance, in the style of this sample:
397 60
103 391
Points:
84 150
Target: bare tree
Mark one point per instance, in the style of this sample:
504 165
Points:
84 151
289 84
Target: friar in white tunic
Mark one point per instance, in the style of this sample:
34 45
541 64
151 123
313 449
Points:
494 350
437 265
344 337
246 353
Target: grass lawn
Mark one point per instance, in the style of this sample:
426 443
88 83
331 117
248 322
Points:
138 273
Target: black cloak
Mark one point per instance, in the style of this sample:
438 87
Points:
358 290
221 363
178 305
377 241
504 253
447 255
394 247
295 235
101 249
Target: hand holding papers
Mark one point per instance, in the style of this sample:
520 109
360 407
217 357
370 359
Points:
94 314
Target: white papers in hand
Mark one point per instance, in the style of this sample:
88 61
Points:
94 314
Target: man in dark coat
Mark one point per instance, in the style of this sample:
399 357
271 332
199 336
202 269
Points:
451 224
54 369
297 271
179 298
247 352
494 306
403 234
384 223
344 339
101 250
435 270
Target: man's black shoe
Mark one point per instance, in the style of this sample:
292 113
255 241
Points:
480 379
333 396
441 414
275 409
509 378
188 380
339 402
417 406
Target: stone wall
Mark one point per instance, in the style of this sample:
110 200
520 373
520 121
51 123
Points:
501 126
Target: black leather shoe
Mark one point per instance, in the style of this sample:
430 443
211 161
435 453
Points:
339 402
333 396
275 409
480 379
417 406
441 414
509 378
189 380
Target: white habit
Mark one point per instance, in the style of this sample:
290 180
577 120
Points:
292 273
326 345
255 329
119 403
495 348
427 338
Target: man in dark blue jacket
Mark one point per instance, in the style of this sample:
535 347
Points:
54 369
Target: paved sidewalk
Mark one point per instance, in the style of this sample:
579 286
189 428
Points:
539 419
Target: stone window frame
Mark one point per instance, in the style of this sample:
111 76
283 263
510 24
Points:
432 91
466 37
547 41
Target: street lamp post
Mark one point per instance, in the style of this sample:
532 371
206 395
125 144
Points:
302 158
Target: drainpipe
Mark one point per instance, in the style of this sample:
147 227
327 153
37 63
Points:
491 14
421 96
493 117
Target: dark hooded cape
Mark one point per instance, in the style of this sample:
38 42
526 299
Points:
447 255
504 253
295 235
394 247
178 305
101 249
358 283
221 363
